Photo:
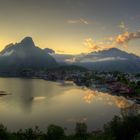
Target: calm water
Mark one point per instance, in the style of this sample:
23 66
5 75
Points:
38 102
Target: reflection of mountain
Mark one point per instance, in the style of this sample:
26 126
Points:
107 60
24 55
26 87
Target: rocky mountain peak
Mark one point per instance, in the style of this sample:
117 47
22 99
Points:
27 42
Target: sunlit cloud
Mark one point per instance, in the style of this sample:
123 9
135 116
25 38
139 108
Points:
112 41
78 21
60 51
94 46
71 60
125 37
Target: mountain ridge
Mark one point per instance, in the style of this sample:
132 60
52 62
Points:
106 60
25 55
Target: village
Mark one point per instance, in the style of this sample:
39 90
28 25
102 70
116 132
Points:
117 83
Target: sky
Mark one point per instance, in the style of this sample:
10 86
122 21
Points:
72 26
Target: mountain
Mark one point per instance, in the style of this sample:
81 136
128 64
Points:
107 60
48 50
24 55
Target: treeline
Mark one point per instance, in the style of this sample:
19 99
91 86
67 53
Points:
120 128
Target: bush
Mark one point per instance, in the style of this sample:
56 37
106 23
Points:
125 128
3 132
55 132
81 130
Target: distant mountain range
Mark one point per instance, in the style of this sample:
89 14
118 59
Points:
24 55
107 60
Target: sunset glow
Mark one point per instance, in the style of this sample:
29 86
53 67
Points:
72 26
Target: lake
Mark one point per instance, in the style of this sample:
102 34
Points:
38 102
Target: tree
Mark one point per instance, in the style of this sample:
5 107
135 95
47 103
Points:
123 128
81 130
137 137
55 132
3 132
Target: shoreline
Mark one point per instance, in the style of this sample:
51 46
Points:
134 98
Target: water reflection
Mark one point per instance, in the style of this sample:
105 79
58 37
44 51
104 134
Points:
26 86
38 98
40 102
91 96
66 83
83 119
32 90
132 110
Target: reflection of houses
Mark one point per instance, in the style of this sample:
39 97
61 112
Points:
120 88
75 76
130 110
40 74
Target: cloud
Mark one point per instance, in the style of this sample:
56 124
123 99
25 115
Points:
97 46
125 37
60 51
78 21
123 26
137 17
84 21
92 45
111 42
